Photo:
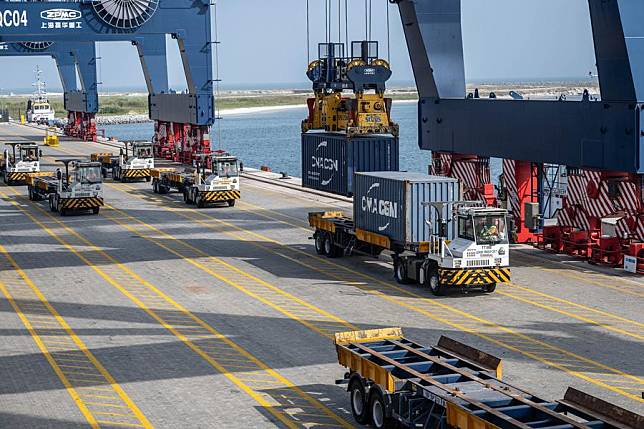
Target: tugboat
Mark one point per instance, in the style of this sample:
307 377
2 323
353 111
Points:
38 107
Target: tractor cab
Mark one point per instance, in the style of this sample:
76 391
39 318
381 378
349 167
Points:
482 238
81 179
21 157
141 155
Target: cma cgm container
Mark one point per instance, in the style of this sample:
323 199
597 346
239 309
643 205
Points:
329 160
390 204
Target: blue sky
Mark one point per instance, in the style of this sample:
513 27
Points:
264 42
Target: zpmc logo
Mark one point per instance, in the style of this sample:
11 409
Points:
60 14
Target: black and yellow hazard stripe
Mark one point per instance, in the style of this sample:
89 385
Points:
140 173
85 203
213 196
474 276
17 177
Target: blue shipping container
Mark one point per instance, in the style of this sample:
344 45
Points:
329 160
390 204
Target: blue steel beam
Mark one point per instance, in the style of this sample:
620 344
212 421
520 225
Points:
188 21
69 57
603 135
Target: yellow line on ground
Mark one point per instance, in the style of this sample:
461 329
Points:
233 378
578 273
507 293
77 341
480 321
237 270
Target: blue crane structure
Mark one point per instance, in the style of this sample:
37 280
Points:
72 59
599 142
182 120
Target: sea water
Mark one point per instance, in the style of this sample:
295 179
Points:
272 138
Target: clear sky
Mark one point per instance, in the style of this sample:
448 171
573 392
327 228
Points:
264 42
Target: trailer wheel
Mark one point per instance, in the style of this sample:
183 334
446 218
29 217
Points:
231 203
185 196
155 187
330 249
320 239
95 210
358 398
378 411
489 288
400 271
30 192
199 201
148 178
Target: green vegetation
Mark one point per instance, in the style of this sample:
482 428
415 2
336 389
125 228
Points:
138 104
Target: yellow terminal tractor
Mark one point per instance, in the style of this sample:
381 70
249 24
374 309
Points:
201 186
18 160
135 163
365 75
78 189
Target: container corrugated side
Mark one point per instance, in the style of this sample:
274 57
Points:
390 203
372 153
324 163
329 160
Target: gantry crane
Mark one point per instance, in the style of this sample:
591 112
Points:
81 102
182 120
599 141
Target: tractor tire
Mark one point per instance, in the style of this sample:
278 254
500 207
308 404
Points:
199 202
434 282
489 288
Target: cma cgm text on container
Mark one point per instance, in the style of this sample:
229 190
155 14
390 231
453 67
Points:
329 160
391 204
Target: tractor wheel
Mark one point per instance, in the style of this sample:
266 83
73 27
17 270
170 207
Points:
489 288
434 282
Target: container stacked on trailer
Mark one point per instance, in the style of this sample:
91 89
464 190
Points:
395 381
435 239
343 135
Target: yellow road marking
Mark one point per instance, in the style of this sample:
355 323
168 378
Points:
257 396
474 329
77 341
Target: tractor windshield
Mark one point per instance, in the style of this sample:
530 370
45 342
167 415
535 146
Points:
143 151
89 175
29 154
226 168
490 229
